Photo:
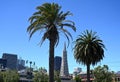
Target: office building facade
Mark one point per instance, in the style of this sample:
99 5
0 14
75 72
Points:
3 63
11 60
57 63
20 64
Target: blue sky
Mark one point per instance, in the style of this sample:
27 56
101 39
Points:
102 16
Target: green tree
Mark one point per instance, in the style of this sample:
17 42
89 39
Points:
1 76
40 75
51 20
57 76
103 74
77 78
9 76
88 50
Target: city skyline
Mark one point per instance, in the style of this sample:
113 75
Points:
100 16
11 61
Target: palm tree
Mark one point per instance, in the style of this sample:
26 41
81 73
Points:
88 49
51 20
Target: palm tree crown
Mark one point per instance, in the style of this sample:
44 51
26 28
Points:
50 19
88 48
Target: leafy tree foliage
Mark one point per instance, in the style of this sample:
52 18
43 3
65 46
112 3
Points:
57 76
78 79
9 76
103 74
40 75
1 77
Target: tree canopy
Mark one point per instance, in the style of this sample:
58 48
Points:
103 74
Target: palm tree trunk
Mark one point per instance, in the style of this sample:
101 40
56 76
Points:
88 72
51 61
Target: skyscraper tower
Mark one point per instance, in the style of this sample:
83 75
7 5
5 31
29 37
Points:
64 65
57 63
11 60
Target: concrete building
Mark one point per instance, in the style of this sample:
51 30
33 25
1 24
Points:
76 71
3 63
11 60
21 61
20 64
117 77
57 63
64 72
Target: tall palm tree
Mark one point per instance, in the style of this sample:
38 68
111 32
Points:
51 20
88 49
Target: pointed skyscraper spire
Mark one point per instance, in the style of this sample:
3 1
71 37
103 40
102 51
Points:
64 72
64 46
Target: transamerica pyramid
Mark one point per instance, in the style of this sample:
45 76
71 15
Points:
64 72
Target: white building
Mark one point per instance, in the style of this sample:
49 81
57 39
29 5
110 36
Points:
77 71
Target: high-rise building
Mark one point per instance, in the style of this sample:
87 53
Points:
11 60
3 63
21 61
64 72
77 69
20 64
57 63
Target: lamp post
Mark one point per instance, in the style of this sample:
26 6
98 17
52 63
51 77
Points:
30 65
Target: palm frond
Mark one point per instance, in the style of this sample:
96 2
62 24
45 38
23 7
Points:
67 34
69 25
36 29
37 13
45 36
